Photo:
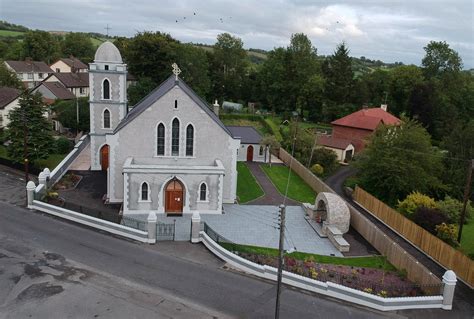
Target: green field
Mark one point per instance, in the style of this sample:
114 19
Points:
467 240
247 187
379 262
8 33
298 190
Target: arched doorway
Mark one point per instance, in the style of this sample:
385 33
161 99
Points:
250 153
174 199
104 157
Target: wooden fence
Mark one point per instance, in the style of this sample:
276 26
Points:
395 254
437 249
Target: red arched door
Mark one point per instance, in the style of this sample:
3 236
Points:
250 153
174 197
104 157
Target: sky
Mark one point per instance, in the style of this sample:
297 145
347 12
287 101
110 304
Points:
388 30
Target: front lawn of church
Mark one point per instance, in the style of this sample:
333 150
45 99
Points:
247 187
298 190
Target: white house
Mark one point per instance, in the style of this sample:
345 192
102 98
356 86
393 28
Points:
169 154
343 148
77 83
9 98
250 149
29 72
69 65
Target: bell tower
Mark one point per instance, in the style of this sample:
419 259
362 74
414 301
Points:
108 100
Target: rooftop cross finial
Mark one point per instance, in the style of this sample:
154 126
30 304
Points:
107 28
176 70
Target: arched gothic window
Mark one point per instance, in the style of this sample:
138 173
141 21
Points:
160 143
190 140
175 138
144 191
106 116
260 151
106 89
203 192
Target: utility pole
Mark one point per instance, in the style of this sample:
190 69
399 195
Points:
280 259
467 192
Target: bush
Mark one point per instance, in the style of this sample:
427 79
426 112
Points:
317 169
63 145
326 158
448 233
414 201
452 208
429 218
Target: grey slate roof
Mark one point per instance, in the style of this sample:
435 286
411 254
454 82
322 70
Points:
247 134
73 62
59 90
29 66
160 91
7 95
73 80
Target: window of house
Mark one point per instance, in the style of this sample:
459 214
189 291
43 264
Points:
260 151
106 89
20 75
144 192
81 90
106 67
203 192
160 143
106 116
175 138
58 70
190 140
30 76
40 75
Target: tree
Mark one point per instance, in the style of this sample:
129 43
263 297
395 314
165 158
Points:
194 68
440 59
337 70
40 46
9 78
273 77
399 160
403 80
28 119
229 62
139 90
78 45
66 113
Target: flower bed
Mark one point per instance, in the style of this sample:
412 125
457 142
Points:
371 280
68 182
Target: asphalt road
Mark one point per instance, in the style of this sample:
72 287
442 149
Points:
50 268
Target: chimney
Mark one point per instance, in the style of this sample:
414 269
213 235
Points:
216 108
384 107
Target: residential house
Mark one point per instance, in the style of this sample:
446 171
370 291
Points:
250 149
9 98
170 154
343 147
77 83
52 91
29 72
69 65
358 126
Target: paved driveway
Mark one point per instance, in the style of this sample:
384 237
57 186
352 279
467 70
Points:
13 186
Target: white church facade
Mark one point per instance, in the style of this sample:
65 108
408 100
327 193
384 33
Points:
169 154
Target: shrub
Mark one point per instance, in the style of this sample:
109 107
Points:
448 233
428 218
452 208
414 201
63 145
317 169
324 157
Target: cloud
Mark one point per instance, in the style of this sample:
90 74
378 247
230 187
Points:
391 30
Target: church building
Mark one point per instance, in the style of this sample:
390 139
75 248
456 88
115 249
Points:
170 153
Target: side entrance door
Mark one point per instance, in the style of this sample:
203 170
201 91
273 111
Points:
104 157
250 153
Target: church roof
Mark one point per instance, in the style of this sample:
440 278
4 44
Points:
160 91
108 52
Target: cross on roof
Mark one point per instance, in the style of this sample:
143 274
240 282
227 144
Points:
107 28
176 70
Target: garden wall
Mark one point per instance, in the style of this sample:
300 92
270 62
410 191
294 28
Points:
437 249
325 288
395 254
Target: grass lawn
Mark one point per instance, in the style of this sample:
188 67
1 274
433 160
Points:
8 33
246 122
467 240
379 262
298 190
247 186
51 162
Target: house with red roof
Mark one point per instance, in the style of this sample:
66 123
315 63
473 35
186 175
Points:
343 147
358 126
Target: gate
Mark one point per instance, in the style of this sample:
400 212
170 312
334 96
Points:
165 231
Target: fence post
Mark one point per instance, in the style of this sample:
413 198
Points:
151 222
42 179
30 192
47 173
195 227
449 280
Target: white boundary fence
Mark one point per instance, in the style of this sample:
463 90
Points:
335 290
